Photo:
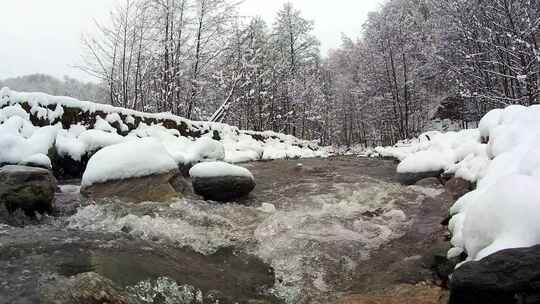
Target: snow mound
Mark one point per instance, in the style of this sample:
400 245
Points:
136 158
217 169
19 140
460 153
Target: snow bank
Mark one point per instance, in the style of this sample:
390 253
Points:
135 158
460 153
503 211
77 128
217 169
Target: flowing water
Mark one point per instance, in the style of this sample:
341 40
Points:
305 235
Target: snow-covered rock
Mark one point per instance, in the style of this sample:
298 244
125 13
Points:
219 181
205 149
217 169
37 160
28 189
137 170
135 158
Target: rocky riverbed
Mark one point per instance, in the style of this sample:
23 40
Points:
338 230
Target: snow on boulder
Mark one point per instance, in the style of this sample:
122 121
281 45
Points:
503 211
138 170
20 140
425 161
130 159
223 182
206 149
217 169
489 121
37 160
505 216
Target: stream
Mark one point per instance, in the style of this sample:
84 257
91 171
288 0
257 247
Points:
312 231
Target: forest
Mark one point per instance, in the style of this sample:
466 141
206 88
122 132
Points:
415 61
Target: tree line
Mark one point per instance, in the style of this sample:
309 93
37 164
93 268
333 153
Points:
414 61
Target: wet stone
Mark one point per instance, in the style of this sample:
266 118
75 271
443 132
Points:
28 189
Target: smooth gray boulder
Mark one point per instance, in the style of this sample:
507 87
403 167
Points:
29 189
222 182
223 188
156 188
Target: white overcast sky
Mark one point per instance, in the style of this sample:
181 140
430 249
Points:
44 36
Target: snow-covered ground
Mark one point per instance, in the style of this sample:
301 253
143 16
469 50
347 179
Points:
33 123
504 210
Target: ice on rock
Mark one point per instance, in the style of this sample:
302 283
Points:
135 158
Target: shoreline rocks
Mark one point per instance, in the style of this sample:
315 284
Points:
410 178
508 276
29 189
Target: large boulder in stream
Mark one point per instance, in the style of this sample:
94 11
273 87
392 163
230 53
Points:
508 276
154 188
222 182
138 170
29 189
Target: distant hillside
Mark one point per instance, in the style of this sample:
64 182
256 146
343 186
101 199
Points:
51 85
